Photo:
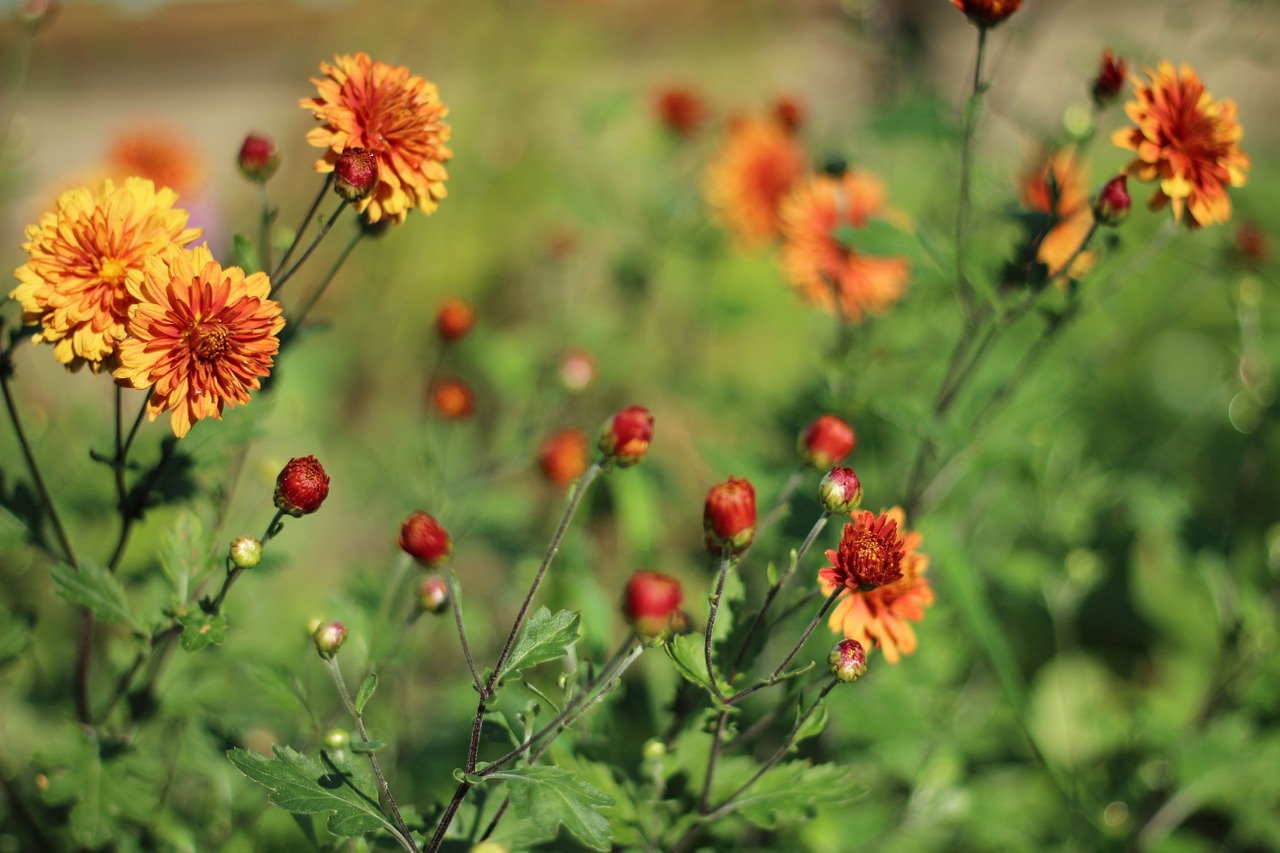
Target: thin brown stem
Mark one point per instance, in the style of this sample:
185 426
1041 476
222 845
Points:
324 232
455 603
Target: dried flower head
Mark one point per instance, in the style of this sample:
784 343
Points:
364 103
758 163
301 486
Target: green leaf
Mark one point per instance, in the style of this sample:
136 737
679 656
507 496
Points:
15 636
184 553
813 726
786 793
689 656
302 785
245 254
200 629
545 637
365 693
877 237
97 589
549 796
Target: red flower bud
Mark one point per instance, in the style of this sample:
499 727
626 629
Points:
729 516
682 110
329 637
245 553
650 603
562 456
301 487
454 320
1110 79
624 439
840 491
426 540
987 13
453 399
355 174
433 593
259 158
1250 245
1111 207
789 112
826 441
848 661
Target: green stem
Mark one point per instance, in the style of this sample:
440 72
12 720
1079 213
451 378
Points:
455 604
279 283
776 675
264 227
296 323
726 562
302 228
964 289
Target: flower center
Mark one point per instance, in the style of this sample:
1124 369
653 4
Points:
112 270
208 340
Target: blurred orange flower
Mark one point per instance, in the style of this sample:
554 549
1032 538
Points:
453 399
819 265
201 336
562 456
987 13
398 116
757 164
164 157
885 614
1186 141
73 286
681 110
1058 186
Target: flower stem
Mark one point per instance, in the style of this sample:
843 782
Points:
296 323
972 108
302 229
726 562
264 227
455 604
324 231
776 675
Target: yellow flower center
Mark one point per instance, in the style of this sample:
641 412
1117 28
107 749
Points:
208 341
112 270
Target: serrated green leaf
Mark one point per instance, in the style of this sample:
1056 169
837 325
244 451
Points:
689 656
545 637
302 785
786 793
813 726
245 254
200 629
551 796
365 693
185 553
97 589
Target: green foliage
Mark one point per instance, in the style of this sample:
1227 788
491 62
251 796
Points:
546 637
550 797
94 587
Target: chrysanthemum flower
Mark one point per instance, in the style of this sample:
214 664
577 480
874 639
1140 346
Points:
201 336
1058 185
820 265
681 110
1187 142
161 155
398 116
757 165
81 254
884 614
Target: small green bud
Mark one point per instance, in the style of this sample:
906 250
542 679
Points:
654 749
337 739
246 552
329 637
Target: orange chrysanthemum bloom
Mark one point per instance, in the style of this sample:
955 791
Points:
758 163
819 265
81 255
200 336
885 614
396 115
1059 187
1186 141
164 157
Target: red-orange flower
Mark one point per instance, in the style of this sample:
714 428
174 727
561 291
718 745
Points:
398 116
1058 186
884 614
681 110
1187 142
73 286
453 399
820 263
870 553
758 163
987 13
163 156
200 336
562 456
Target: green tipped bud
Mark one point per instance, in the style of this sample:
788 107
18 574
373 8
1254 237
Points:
246 552
329 637
336 739
654 749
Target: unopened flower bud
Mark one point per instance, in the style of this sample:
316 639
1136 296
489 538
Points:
490 847
453 399
301 487
337 738
650 601
789 112
826 441
562 456
355 174
246 552
729 516
1250 246
577 369
36 14
426 540
259 158
987 13
1111 207
454 320
654 749
848 661
681 110
329 637
1110 79
433 594
840 491
624 439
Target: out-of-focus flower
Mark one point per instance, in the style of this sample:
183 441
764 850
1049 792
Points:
453 399
82 253
681 110
355 174
426 540
577 370
826 440
454 320
562 456
259 158
651 604
848 661
36 14
163 156
729 516
789 112
820 264
758 163
433 594
1186 142
1058 186
200 336
1111 207
301 486
363 103
1250 245
329 637
870 553
840 490
884 615
624 438
987 13
1110 79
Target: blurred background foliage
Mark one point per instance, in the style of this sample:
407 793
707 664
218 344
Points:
1100 670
